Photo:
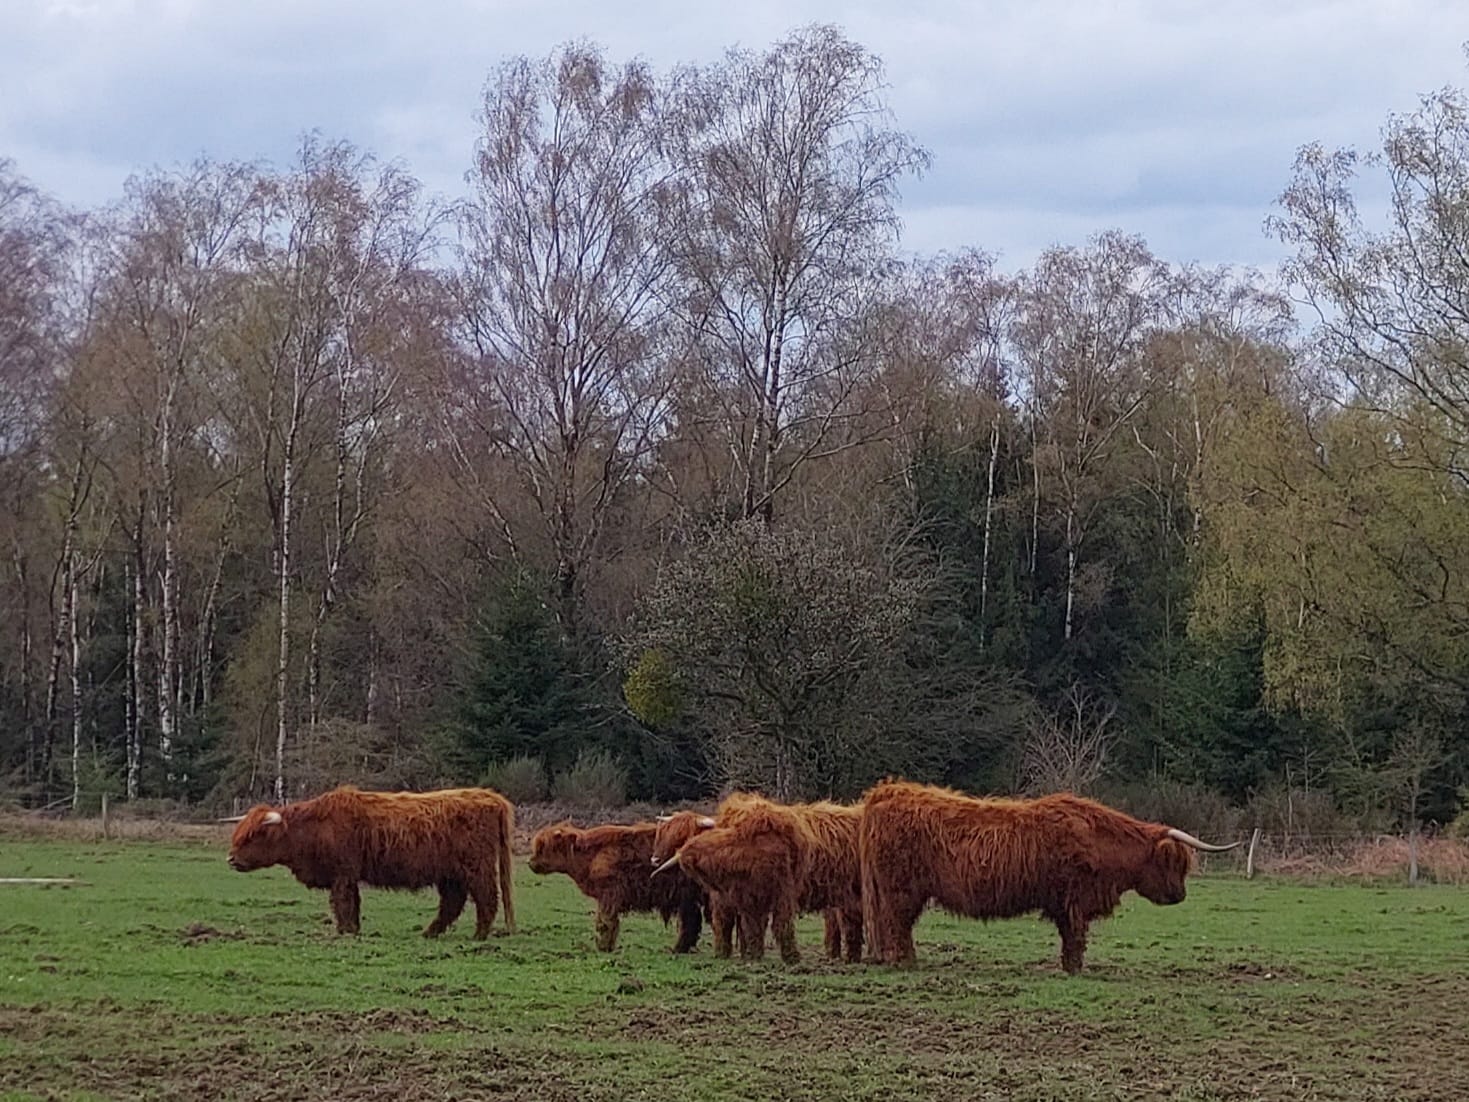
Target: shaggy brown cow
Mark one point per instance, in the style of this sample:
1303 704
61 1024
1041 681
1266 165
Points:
457 840
834 876
671 834
766 862
610 864
1069 858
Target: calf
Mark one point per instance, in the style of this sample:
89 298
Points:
765 862
610 864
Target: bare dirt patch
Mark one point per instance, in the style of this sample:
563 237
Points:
262 1058
1324 1049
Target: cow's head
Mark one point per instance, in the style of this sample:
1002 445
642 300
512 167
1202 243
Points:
1162 876
259 841
674 830
552 848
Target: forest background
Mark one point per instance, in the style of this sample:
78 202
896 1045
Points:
653 465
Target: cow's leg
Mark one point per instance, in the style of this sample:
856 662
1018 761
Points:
347 906
452 896
1072 928
690 921
722 922
832 933
482 889
783 925
902 916
851 921
752 933
608 922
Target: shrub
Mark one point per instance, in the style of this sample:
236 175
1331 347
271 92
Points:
596 780
520 780
1459 828
1306 814
1194 808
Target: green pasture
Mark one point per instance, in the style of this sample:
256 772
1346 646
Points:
168 976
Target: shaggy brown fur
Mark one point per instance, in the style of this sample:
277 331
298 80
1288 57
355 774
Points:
1069 858
612 865
457 840
668 839
765 862
834 875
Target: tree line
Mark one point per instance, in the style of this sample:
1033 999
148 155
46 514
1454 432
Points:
654 453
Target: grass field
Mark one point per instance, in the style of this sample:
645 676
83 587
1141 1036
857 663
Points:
169 976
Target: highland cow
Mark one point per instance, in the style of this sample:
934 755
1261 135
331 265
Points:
1068 858
669 837
834 876
610 865
764 863
457 840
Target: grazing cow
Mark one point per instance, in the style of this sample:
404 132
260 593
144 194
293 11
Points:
1068 858
834 876
669 837
610 864
766 862
457 840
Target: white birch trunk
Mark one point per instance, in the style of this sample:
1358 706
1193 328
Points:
137 678
989 511
72 619
168 679
283 665
209 620
27 711
1070 565
1035 497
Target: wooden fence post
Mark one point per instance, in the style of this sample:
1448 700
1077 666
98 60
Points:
106 832
1250 859
1413 856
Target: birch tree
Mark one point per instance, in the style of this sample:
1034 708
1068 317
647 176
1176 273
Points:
561 265
179 245
1083 320
789 167
33 245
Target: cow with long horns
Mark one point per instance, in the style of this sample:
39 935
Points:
1068 858
455 840
610 865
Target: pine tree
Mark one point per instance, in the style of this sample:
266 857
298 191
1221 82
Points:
522 694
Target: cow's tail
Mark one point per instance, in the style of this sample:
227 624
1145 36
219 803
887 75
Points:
872 927
507 866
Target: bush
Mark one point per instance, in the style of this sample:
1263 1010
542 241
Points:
343 751
1198 810
520 780
1459 828
1305 814
596 780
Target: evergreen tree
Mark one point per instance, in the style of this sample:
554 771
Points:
521 693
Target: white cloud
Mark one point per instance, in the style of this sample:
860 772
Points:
1050 119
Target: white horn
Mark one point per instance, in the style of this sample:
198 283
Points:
231 819
705 822
271 818
1189 840
666 864
665 818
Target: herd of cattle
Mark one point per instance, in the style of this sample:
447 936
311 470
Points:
869 868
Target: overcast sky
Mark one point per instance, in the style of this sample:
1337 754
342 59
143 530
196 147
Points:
1048 119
